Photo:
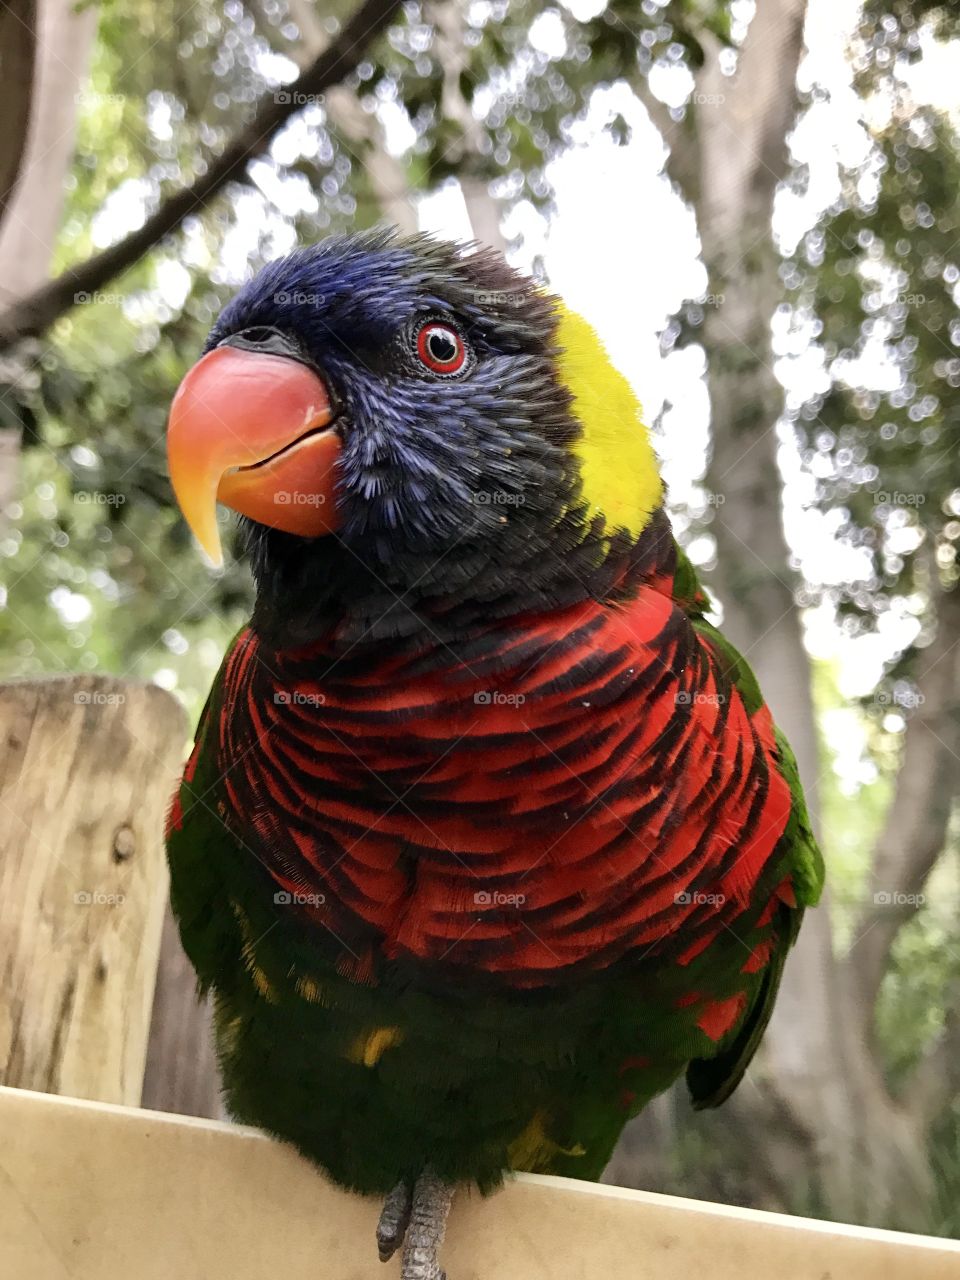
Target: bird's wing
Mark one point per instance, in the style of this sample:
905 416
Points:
712 1080
195 889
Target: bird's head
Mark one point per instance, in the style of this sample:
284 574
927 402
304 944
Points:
409 425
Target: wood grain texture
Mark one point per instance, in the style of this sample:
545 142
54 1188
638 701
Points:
87 766
182 1073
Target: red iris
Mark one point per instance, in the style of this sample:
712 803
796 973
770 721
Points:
441 348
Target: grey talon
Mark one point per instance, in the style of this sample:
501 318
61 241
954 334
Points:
425 1232
394 1218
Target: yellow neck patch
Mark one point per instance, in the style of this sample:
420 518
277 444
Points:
618 468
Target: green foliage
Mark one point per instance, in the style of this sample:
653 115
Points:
897 24
911 1011
945 1159
879 282
101 579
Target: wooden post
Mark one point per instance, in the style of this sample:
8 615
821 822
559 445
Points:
182 1073
87 767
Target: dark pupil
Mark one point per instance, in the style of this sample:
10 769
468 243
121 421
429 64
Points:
442 347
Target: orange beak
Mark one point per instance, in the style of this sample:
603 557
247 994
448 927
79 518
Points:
249 429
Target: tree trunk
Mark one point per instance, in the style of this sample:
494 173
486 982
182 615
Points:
28 232
18 44
927 787
821 1111
483 209
358 131
362 135
41 71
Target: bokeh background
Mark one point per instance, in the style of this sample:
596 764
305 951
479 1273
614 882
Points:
756 206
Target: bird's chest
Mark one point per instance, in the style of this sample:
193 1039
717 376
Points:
547 803
445 784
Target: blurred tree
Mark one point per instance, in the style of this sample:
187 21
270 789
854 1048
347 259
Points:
882 280
824 1123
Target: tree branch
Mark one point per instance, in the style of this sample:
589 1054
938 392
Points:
361 133
679 137
18 61
36 312
483 208
743 122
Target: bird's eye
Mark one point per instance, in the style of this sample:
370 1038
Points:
441 348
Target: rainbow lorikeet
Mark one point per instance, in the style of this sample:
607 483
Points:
487 834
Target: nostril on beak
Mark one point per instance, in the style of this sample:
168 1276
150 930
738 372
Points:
266 340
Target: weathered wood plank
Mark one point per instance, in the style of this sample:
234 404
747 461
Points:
150 1196
87 766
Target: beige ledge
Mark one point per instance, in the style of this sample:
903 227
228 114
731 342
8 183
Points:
96 1192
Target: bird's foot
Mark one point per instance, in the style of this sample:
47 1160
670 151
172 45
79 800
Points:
416 1219
393 1221
428 1222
